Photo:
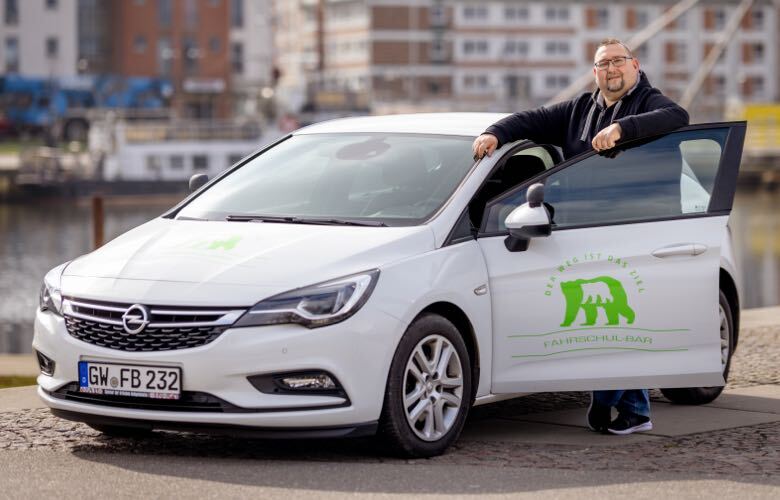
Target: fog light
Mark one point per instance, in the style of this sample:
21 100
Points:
45 363
315 382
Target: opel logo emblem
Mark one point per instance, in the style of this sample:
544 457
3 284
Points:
135 318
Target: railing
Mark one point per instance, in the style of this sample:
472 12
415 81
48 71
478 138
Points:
136 132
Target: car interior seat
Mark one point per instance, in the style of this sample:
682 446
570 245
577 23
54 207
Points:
405 172
516 170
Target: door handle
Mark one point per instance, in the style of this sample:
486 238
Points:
691 249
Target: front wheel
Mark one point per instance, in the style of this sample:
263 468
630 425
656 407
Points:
704 395
428 391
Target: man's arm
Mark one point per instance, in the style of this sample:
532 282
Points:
545 125
665 116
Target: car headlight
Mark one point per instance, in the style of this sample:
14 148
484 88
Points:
314 306
50 297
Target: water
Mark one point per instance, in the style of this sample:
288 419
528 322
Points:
37 237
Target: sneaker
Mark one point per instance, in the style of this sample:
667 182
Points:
598 416
630 423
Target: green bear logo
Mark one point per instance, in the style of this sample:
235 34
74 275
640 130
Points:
588 295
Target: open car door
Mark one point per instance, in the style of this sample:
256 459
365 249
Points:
624 292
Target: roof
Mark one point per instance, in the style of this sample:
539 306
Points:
468 124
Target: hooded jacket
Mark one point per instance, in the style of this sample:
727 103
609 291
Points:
641 112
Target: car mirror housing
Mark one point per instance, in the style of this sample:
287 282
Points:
529 220
197 181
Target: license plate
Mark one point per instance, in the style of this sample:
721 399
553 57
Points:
159 382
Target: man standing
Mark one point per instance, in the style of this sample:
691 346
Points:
625 106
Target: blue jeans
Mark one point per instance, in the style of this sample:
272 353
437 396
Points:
636 401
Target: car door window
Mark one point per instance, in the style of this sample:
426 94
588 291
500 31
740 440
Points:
669 176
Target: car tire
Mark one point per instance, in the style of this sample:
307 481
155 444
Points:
704 395
428 395
122 432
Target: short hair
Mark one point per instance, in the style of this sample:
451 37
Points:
614 41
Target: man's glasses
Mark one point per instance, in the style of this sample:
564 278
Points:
615 61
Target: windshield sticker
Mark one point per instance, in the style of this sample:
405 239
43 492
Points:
597 311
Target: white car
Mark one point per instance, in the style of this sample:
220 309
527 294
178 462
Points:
366 275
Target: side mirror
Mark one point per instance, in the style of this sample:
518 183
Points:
197 181
529 220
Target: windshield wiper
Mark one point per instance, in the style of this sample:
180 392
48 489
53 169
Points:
302 220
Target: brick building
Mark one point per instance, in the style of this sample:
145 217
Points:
184 40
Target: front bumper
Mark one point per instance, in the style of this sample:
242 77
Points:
357 352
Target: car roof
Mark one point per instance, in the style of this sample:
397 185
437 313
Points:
463 124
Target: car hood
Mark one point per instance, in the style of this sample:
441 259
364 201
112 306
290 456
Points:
269 256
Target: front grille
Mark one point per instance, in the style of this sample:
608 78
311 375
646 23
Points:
168 328
188 401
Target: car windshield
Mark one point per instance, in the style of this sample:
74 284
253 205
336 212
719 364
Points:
379 179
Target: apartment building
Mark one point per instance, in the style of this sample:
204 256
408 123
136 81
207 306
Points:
251 56
38 37
511 54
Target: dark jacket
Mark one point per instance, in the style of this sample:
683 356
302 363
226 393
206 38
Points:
571 125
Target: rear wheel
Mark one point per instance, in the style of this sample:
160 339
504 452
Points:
428 391
703 395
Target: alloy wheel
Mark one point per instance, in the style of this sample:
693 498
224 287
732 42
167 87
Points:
433 387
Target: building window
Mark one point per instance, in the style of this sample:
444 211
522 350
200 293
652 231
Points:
237 57
438 15
601 17
237 13
191 13
681 22
11 12
234 158
516 13
753 53
52 47
557 81
757 18
475 47
164 56
200 162
475 12
191 54
139 44
719 17
719 85
642 18
516 48
758 85
438 51
676 53
154 166
176 162
12 55
164 12
51 4
556 14
556 47
214 45
475 83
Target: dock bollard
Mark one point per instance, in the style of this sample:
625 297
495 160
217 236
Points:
97 221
